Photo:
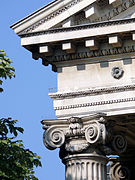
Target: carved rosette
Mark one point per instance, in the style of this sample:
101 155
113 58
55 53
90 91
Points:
117 72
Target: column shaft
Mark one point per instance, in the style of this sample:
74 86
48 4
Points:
85 167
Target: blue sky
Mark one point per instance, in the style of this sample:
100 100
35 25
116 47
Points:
25 97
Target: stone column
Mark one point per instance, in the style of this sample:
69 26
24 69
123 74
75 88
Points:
80 141
84 143
123 167
123 142
85 166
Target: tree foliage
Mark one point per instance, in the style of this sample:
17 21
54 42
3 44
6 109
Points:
6 70
16 162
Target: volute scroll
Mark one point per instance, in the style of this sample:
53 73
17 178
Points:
53 138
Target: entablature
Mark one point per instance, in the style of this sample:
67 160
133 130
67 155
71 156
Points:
78 29
89 41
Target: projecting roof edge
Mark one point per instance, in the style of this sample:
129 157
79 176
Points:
34 13
50 15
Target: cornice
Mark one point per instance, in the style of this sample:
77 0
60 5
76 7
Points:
92 92
50 16
111 14
54 2
80 27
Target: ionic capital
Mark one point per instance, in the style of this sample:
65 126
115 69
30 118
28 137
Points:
76 134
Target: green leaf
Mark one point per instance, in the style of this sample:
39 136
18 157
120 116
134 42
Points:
16 162
2 54
1 90
20 129
6 70
1 67
4 141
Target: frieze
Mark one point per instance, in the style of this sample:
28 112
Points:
91 92
110 14
99 103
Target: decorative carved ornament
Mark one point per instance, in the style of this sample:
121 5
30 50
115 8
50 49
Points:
53 138
78 134
110 14
74 133
96 133
118 171
98 53
92 92
99 103
119 144
117 72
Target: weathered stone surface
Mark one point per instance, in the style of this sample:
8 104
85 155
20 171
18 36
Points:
85 142
90 44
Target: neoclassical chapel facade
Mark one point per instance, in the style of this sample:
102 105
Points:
91 46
